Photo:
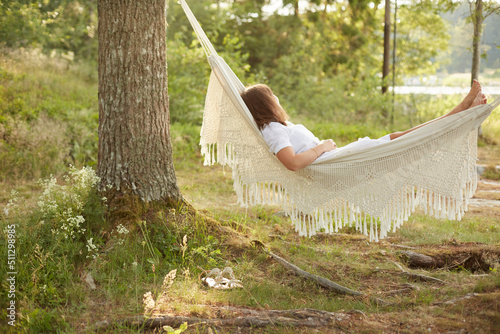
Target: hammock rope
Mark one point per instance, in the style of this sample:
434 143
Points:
373 190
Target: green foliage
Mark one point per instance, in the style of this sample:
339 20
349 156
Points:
66 26
171 240
189 72
471 228
48 115
20 23
53 238
492 173
33 150
206 252
33 84
62 207
344 133
40 320
179 330
72 30
414 109
324 60
153 251
186 143
421 38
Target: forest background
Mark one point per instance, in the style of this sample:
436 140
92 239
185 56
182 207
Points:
322 58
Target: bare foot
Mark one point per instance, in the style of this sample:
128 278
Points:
478 100
475 90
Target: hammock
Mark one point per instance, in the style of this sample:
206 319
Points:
374 190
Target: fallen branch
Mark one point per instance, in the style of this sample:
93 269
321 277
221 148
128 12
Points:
418 276
287 318
459 299
404 288
324 282
420 260
321 281
475 258
351 237
398 291
403 246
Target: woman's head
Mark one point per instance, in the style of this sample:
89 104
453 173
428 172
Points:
264 105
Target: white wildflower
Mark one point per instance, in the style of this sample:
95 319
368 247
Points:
12 204
149 302
122 229
92 249
169 279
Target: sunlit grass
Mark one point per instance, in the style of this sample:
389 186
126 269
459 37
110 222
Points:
421 229
491 127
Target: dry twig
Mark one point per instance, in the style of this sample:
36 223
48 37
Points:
321 281
418 276
289 318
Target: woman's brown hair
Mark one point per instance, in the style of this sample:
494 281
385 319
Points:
263 105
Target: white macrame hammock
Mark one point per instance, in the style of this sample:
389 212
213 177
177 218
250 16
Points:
375 190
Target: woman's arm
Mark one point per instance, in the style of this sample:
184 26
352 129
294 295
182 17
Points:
295 162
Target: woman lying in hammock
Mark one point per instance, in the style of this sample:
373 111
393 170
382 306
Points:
296 147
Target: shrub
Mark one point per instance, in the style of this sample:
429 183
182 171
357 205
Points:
32 150
55 236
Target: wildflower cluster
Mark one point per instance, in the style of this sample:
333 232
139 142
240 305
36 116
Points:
62 207
91 249
121 230
63 204
12 205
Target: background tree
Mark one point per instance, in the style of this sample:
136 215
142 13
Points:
387 44
420 39
135 153
64 26
479 11
458 57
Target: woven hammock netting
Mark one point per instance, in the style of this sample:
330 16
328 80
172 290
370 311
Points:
374 190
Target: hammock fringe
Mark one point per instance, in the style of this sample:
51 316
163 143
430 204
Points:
339 213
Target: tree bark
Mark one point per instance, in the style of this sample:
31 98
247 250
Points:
477 19
135 154
387 45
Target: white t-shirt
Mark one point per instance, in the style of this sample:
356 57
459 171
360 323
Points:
278 136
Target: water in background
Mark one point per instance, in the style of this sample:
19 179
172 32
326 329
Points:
442 90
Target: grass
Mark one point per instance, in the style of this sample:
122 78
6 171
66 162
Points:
53 296
471 228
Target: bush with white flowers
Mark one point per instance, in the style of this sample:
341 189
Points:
63 205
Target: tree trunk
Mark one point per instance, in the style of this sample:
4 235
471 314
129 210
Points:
135 153
387 45
477 19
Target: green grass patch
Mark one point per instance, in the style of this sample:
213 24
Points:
421 229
